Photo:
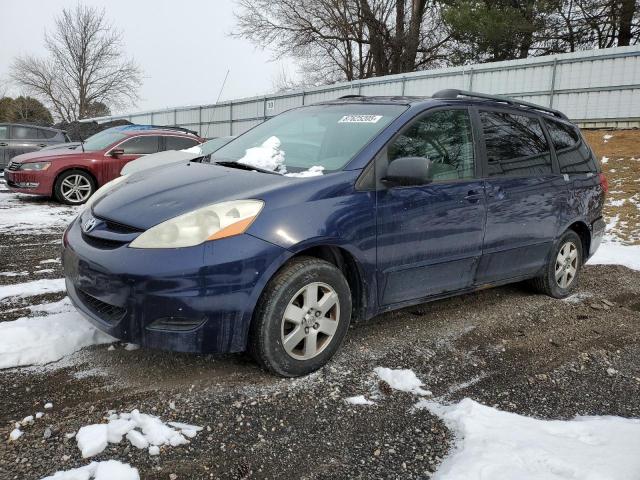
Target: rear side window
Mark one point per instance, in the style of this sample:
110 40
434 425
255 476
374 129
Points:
179 143
516 145
24 133
574 156
46 134
141 145
4 132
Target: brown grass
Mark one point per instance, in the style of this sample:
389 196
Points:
623 172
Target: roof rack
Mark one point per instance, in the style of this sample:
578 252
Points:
158 127
451 93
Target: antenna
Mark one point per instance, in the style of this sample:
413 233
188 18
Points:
218 98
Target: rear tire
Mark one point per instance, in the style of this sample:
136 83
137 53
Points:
74 187
562 272
301 318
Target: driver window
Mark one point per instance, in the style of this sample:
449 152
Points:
445 138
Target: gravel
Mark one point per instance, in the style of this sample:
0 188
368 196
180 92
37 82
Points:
506 347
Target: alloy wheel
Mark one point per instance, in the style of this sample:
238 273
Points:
76 188
310 321
566 265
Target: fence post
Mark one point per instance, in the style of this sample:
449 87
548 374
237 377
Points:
200 129
303 94
404 81
471 79
175 116
230 118
553 81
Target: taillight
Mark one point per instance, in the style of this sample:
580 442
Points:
604 183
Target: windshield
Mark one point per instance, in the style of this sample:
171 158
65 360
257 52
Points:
310 140
207 148
102 140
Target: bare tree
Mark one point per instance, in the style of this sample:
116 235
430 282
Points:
337 40
85 66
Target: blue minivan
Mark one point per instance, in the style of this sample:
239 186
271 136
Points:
332 212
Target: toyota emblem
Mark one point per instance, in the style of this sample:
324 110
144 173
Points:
89 225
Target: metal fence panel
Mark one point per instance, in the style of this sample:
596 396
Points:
594 88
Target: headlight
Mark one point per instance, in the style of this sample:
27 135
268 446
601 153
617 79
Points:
35 166
213 222
102 190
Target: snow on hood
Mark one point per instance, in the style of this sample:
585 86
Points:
268 156
312 172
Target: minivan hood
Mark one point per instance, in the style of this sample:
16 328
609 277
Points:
150 197
158 159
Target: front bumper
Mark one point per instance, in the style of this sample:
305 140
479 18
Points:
38 183
196 299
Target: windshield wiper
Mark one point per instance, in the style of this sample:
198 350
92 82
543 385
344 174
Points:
243 166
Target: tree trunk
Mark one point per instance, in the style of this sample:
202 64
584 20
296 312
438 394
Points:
625 22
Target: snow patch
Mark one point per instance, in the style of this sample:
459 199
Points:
141 430
35 287
109 470
604 160
401 379
497 445
314 171
607 137
44 339
359 400
268 156
613 253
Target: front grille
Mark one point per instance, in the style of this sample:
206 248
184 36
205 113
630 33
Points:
13 166
103 310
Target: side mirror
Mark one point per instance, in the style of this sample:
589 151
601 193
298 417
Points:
116 152
407 171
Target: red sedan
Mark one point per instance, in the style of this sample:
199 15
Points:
73 175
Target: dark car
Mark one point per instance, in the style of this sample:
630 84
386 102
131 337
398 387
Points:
73 175
16 139
418 199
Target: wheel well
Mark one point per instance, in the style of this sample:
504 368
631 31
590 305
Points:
342 259
55 181
584 233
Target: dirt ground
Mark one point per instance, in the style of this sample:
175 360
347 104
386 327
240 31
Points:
505 347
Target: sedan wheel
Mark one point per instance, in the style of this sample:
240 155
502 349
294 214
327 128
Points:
74 187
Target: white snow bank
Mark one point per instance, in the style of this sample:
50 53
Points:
109 470
612 253
43 339
268 155
36 287
496 445
140 429
401 379
314 171
359 400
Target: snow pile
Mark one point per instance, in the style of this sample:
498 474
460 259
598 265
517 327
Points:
499 445
607 137
312 172
109 470
359 400
402 379
613 253
44 339
36 287
140 429
268 156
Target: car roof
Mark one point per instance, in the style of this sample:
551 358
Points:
446 97
31 125
152 129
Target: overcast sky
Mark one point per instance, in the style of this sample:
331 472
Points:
183 47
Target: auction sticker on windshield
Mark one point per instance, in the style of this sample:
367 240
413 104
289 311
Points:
360 119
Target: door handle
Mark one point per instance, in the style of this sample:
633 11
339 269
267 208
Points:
473 196
42 145
2 144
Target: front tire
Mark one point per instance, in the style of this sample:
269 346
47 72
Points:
562 272
74 187
301 318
